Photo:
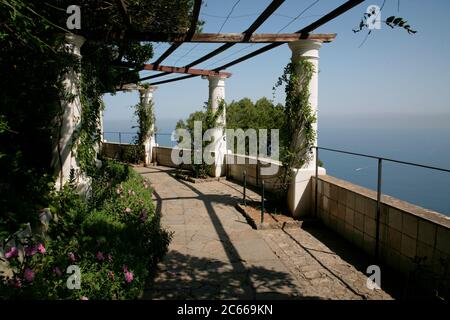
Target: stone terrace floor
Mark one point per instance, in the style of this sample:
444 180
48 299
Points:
215 254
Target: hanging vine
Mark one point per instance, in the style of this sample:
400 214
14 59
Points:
146 120
299 135
209 119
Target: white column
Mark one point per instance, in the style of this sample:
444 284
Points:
64 156
150 142
300 191
216 95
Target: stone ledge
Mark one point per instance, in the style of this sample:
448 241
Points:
198 180
273 224
422 213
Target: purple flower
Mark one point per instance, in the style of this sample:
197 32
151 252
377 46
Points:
12 253
28 275
100 256
41 248
129 276
144 215
30 251
16 283
57 271
71 256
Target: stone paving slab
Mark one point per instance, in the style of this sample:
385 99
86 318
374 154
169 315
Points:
215 254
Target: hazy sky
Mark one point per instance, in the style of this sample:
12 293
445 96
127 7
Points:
392 73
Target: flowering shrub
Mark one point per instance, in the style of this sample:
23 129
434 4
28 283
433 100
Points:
114 238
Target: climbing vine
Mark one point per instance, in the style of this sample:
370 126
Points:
209 119
299 135
146 120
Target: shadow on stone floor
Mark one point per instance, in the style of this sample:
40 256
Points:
189 276
391 282
183 276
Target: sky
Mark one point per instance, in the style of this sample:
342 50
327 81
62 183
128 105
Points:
393 76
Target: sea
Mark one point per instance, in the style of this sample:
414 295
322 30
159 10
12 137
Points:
417 138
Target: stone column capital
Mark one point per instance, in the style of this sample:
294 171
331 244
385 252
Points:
305 48
215 81
74 43
143 90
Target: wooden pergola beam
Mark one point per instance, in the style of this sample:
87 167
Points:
197 72
271 8
306 30
178 39
260 38
187 37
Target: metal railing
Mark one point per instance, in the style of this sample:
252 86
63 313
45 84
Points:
379 183
120 134
161 134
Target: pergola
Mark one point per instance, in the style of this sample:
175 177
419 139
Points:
303 43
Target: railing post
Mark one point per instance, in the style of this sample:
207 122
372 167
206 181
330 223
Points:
245 186
262 202
377 234
257 170
316 192
156 150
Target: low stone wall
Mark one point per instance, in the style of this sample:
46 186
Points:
234 170
164 157
407 232
115 150
237 164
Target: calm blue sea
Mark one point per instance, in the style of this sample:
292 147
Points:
420 139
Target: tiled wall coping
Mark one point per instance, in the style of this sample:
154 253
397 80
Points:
417 211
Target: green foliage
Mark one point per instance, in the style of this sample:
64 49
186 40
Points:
33 65
298 134
263 114
391 21
209 119
146 121
115 233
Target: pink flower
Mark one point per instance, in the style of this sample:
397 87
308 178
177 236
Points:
28 275
109 256
30 251
125 268
71 256
84 298
17 283
144 216
111 275
128 276
12 253
100 256
57 271
127 210
41 248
